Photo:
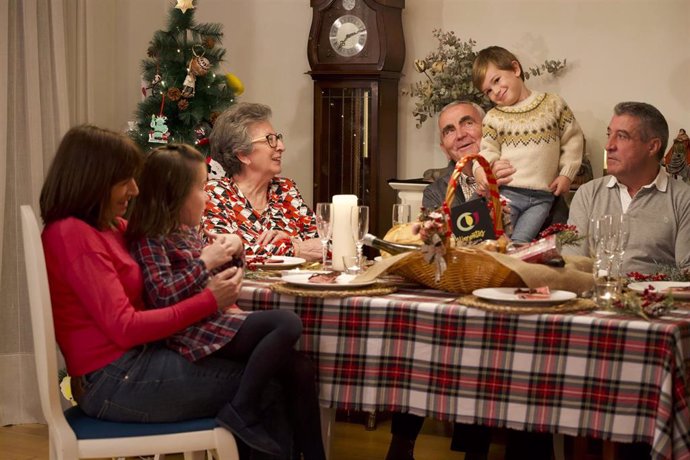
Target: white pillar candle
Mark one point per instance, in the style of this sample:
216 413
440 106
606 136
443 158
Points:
343 241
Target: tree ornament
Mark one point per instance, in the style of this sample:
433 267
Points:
183 104
174 94
184 5
214 116
159 133
198 67
208 42
234 83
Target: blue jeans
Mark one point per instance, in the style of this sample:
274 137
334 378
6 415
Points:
151 383
528 211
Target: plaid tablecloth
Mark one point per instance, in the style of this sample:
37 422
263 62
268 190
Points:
599 375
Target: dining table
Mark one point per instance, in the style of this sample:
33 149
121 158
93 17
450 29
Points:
593 374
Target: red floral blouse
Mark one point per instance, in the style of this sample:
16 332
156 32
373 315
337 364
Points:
229 211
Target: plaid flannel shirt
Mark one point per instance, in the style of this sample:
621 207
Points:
172 272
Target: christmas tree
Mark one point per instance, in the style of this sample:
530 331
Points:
182 91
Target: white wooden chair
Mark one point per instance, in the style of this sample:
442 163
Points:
73 434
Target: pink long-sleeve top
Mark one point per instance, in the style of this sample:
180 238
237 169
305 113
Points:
96 293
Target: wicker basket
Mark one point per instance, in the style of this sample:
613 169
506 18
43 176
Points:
467 268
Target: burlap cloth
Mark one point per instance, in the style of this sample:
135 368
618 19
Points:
376 289
575 277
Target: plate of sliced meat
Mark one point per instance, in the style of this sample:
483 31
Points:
325 280
524 295
678 289
273 262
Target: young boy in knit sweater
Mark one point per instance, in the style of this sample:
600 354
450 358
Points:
537 132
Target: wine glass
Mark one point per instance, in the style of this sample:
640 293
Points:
620 228
324 221
359 219
401 214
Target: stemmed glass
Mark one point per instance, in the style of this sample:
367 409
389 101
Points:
608 237
360 227
401 214
324 221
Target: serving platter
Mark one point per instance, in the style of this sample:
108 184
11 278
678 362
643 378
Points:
663 287
508 295
274 262
343 281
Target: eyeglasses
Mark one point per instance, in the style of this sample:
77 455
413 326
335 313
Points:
271 138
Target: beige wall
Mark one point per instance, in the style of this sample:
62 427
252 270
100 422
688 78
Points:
616 50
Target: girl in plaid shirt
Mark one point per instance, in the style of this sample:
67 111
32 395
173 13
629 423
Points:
165 241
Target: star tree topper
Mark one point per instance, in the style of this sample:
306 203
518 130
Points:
184 5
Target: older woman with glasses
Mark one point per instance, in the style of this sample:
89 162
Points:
252 200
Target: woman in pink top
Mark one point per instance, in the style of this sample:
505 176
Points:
113 345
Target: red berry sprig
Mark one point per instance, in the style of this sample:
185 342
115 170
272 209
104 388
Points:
637 276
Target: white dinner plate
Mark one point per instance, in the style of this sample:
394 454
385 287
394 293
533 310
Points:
343 281
661 287
279 262
509 295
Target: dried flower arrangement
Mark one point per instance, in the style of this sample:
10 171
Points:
566 235
648 304
448 72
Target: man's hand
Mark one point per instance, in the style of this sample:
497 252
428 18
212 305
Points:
560 185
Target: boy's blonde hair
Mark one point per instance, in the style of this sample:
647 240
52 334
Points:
496 55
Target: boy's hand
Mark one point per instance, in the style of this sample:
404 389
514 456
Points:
560 185
482 183
503 171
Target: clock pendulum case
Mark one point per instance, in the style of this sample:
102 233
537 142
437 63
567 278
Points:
356 51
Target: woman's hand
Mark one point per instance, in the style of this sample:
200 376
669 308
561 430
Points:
271 237
225 287
221 250
309 250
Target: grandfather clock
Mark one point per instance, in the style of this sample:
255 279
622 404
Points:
356 51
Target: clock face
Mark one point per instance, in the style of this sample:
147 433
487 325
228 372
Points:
348 35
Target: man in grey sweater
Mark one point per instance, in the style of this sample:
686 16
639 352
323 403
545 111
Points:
657 205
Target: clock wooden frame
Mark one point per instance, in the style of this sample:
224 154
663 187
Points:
356 106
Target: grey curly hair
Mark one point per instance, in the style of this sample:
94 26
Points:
230 134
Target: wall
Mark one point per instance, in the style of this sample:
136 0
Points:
616 50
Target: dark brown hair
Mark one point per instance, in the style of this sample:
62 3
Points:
164 184
496 55
88 163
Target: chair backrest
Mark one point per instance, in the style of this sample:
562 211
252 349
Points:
43 330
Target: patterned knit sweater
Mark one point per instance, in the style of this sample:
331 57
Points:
539 136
